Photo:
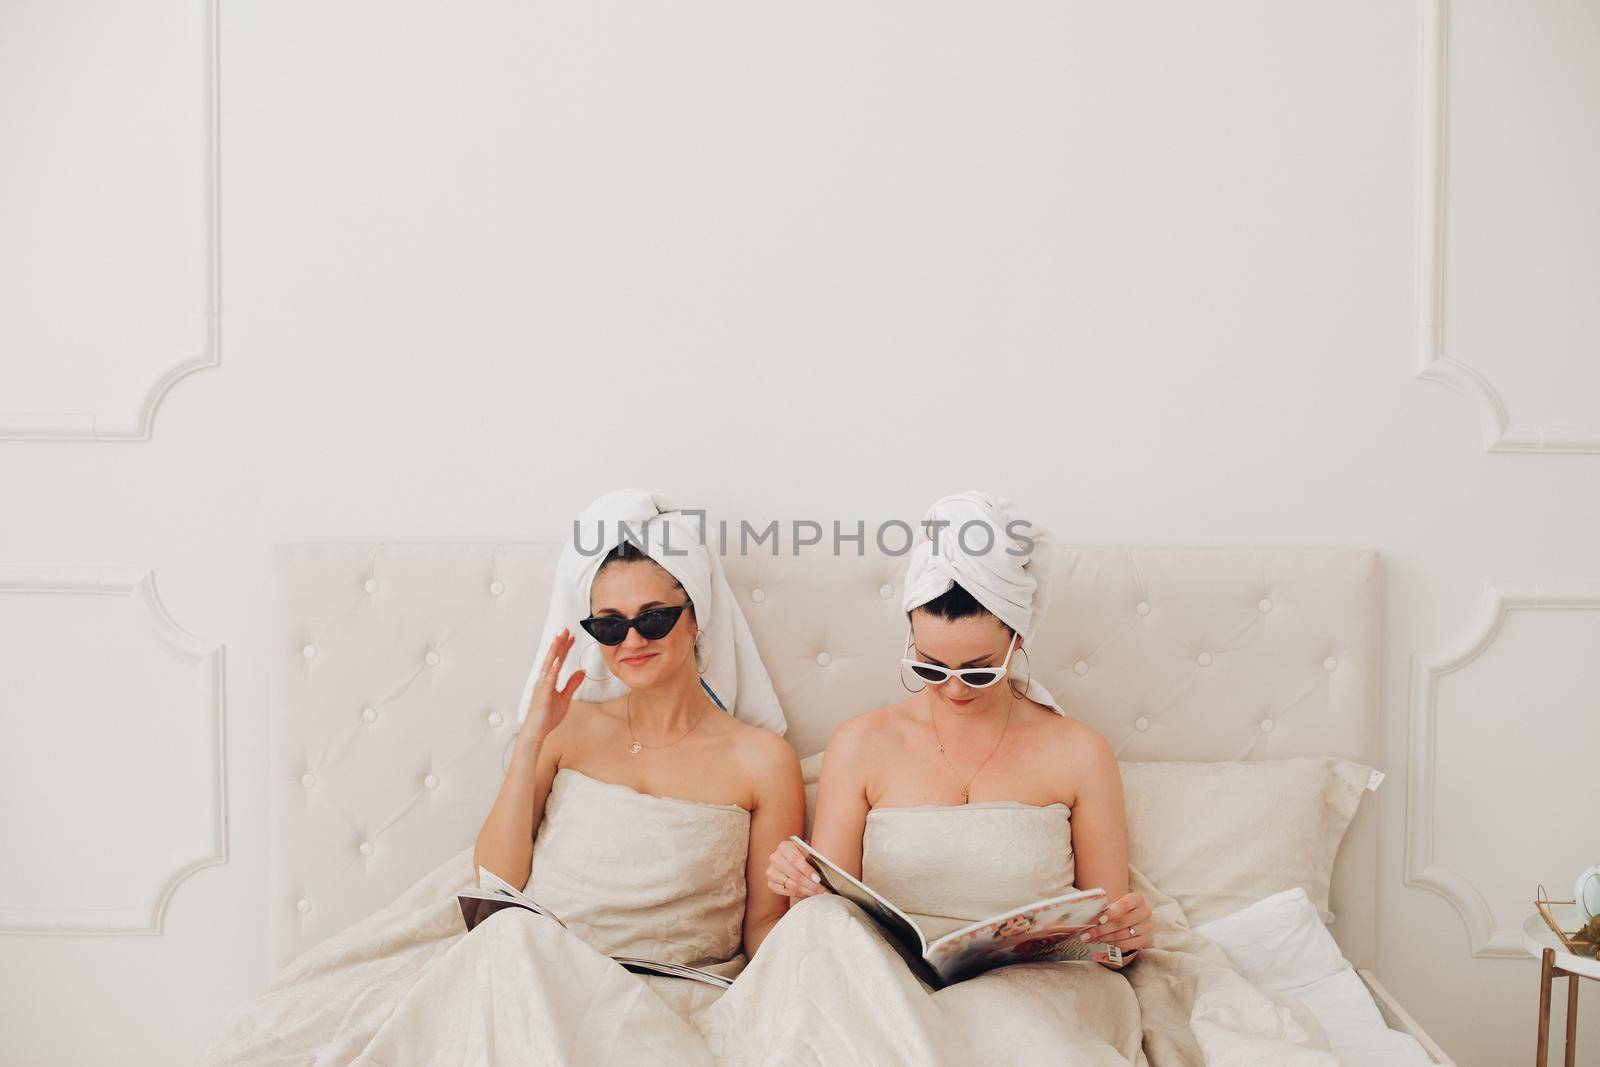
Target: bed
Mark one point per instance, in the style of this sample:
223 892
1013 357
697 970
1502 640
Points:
396 666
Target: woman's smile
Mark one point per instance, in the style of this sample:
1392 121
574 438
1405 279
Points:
634 661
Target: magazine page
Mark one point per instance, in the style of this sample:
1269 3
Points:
492 882
477 905
673 970
903 934
1047 930
856 891
495 894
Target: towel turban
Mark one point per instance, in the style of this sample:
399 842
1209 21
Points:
977 541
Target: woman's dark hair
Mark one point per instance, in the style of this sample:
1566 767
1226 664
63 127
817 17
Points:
956 603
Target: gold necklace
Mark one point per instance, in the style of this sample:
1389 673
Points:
636 747
966 787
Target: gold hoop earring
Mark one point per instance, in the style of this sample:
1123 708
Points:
1029 683
906 687
583 661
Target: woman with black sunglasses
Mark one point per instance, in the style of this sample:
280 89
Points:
667 737
646 787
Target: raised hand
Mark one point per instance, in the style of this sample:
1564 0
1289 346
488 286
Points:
548 705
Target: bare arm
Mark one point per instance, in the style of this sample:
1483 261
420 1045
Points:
841 819
1100 843
779 810
1099 819
841 816
505 844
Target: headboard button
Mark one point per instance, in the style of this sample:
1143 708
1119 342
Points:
308 780
1141 724
497 587
432 658
1080 667
369 714
302 905
1330 663
366 848
886 591
1143 608
432 781
823 659
371 585
1267 726
1264 606
309 651
495 719
758 595
1205 659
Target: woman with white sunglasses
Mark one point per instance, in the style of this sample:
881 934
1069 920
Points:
978 734
976 793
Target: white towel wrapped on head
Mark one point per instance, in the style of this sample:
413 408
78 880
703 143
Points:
733 673
980 542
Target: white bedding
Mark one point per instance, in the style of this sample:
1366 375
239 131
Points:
1280 943
409 985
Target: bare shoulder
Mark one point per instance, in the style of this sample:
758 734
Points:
871 733
583 724
582 717
761 751
1081 745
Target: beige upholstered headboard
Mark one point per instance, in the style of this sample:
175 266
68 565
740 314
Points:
396 667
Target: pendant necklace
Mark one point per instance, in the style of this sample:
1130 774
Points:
966 786
637 747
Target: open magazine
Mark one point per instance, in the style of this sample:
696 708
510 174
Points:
494 893
1043 931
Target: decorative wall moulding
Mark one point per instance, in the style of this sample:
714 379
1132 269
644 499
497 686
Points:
145 906
133 420
1422 869
1500 433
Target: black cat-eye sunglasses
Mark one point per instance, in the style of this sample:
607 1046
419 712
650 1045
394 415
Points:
652 625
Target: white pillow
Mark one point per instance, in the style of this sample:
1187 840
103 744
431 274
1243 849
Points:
1218 836
1280 944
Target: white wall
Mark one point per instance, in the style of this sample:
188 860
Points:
1163 271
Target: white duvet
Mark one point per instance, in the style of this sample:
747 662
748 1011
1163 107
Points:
636 874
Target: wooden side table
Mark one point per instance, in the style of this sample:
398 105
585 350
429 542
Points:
1556 962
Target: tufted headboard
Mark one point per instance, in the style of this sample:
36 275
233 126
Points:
396 667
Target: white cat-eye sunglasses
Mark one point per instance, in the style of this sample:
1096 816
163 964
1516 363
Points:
973 677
